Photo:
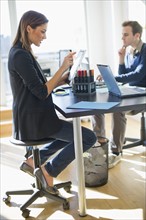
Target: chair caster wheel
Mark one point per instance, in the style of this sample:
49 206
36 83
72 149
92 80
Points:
66 205
67 188
33 185
25 213
7 199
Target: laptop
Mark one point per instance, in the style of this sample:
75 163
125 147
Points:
114 88
78 60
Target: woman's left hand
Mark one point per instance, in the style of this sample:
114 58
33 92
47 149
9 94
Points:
63 79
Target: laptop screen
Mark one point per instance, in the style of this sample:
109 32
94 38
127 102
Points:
109 79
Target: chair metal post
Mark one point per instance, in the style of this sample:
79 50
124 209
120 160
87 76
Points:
143 128
136 141
36 159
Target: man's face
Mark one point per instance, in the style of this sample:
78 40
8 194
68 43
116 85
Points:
128 38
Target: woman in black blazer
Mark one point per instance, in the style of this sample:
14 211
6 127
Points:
34 115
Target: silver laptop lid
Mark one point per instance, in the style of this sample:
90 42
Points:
109 79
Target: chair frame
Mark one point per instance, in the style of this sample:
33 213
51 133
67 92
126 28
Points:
142 140
37 190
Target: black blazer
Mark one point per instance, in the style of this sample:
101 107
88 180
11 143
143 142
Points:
34 115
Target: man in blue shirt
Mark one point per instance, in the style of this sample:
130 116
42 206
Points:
132 70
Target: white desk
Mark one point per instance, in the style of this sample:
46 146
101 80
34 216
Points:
62 102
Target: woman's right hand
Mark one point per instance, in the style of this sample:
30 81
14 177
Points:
57 79
68 61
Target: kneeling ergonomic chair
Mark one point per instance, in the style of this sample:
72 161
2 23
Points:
37 190
142 140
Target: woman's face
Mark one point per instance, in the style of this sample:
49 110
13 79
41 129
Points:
37 35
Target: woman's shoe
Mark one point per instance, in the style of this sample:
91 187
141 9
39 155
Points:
50 189
27 169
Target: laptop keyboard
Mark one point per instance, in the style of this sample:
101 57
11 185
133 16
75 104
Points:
131 90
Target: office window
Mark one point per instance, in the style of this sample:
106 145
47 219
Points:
66 27
4 47
137 12
5 29
66 30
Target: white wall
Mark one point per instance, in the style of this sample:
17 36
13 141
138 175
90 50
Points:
102 37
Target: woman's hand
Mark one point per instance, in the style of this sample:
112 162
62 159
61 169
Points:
68 61
63 79
59 78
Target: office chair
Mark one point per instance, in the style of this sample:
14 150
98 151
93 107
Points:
142 140
37 190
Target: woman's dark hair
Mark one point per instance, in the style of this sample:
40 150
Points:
32 18
136 27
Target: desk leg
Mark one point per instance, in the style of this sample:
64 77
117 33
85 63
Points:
80 165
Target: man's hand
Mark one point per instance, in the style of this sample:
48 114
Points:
99 78
122 53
